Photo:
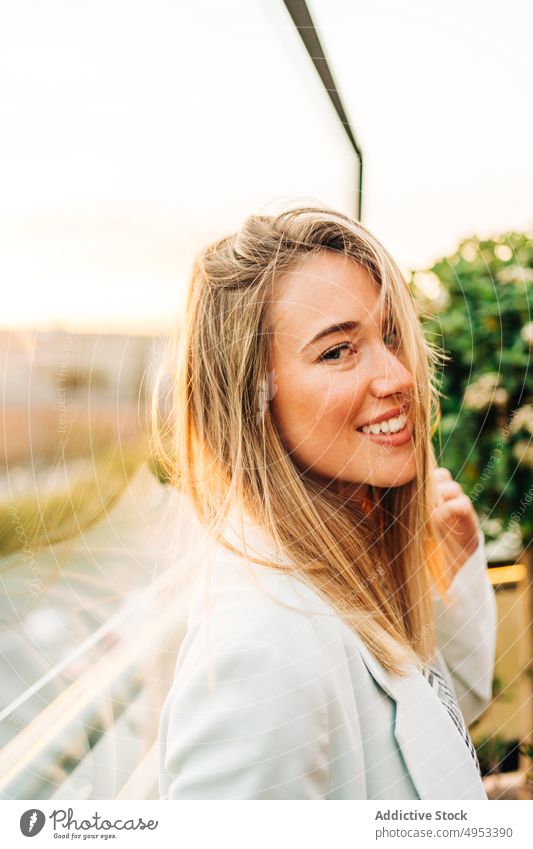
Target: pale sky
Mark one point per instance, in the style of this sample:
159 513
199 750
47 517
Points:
135 132
439 95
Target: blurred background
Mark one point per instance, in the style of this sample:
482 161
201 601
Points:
135 133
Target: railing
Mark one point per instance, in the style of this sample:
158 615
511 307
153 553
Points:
95 736
86 665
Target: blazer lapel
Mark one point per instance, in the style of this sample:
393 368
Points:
440 765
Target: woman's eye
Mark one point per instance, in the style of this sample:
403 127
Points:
392 339
333 355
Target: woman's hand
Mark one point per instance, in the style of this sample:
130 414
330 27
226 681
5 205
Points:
454 520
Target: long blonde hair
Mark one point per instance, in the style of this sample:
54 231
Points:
221 446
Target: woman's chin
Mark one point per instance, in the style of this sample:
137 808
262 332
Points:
389 476
391 480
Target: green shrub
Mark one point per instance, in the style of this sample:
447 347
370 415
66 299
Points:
477 305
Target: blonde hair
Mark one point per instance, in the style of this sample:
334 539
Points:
221 446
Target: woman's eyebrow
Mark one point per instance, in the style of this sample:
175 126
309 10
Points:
333 328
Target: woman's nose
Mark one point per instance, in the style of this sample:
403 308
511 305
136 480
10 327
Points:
389 375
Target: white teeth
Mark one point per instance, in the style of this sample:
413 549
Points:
390 426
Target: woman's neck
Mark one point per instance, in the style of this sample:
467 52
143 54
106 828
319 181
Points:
353 491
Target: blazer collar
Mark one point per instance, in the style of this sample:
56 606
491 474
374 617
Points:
437 758
440 765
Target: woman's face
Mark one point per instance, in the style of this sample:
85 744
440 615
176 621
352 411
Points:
329 381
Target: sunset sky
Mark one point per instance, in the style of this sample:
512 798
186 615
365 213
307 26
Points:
136 132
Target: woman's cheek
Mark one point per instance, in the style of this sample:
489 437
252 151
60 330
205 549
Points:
343 398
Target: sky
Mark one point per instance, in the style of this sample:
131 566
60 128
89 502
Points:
439 96
136 132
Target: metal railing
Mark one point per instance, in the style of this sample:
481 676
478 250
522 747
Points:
105 722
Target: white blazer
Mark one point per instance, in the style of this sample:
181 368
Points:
270 702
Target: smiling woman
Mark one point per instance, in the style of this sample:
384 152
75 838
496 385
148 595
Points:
330 655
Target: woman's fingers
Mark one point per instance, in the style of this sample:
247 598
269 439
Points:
443 486
455 506
453 517
450 489
441 473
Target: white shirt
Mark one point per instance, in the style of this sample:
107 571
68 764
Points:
269 702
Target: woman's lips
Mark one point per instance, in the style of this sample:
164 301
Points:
399 438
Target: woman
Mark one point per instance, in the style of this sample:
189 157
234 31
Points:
341 628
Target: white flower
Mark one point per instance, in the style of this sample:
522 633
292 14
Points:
483 392
527 333
493 527
469 251
522 419
523 451
503 252
515 274
429 290
501 397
